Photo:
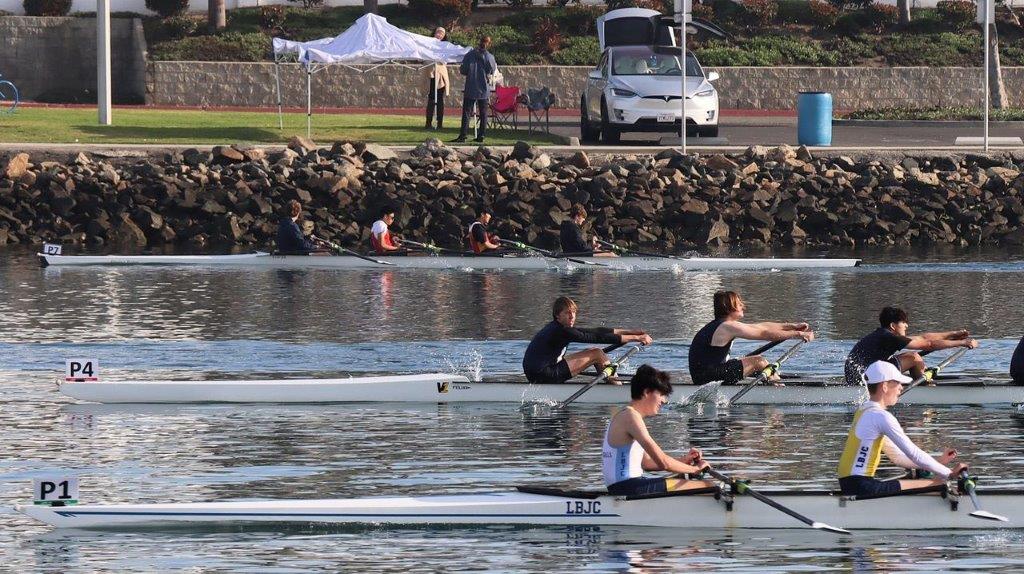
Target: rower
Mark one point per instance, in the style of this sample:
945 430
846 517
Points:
290 240
628 449
709 358
572 238
480 241
875 430
380 235
545 360
890 338
1017 364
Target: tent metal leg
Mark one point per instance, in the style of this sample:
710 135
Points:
309 103
280 104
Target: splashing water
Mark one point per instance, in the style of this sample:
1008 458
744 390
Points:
472 368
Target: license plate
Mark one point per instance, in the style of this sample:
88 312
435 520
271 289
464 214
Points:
666 118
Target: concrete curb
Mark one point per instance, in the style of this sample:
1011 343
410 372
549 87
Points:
924 123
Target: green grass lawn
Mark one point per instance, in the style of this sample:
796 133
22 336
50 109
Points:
147 126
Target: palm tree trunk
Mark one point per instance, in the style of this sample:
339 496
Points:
996 85
218 17
904 7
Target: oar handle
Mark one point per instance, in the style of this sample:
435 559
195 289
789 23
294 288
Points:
604 374
931 372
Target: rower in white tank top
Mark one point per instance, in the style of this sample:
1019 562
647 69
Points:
621 462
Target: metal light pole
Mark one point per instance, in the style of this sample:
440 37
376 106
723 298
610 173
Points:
989 9
683 9
103 61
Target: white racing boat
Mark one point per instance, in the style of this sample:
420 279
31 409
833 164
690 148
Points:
709 508
628 263
448 388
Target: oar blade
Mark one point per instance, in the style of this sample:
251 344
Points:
986 515
829 528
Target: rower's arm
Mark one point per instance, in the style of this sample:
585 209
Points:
594 335
754 331
654 457
917 458
923 343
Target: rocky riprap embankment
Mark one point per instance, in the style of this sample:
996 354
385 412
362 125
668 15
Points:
763 197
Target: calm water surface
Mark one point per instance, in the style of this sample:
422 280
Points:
214 323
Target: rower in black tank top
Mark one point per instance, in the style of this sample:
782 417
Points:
710 363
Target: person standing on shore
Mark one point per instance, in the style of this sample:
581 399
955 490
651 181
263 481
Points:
1017 364
476 66
437 88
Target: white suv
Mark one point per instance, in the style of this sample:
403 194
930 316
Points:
636 85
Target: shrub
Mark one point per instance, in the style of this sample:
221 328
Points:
449 12
760 12
547 39
822 14
228 47
881 17
581 20
177 27
703 11
959 14
577 51
47 7
519 3
272 17
167 8
309 4
844 5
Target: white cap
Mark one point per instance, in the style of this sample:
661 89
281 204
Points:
881 371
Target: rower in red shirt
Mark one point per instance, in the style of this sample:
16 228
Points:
480 241
380 236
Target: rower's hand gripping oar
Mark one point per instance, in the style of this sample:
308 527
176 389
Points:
608 371
709 391
744 488
546 253
966 484
341 249
767 372
931 372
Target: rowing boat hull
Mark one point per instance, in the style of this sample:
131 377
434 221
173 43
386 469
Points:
694 511
446 388
447 262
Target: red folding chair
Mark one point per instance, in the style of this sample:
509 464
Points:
504 108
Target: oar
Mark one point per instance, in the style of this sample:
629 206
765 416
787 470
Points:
766 372
341 249
930 373
546 253
968 485
744 488
605 373
435 249
624 251
708 391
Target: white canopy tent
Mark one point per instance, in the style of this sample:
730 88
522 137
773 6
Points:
370 41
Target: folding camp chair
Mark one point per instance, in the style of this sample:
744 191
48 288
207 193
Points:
504 108
538 106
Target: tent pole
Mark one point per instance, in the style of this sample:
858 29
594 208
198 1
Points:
309 102
280 106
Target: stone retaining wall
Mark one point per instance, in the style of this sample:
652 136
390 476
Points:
252 85
54 59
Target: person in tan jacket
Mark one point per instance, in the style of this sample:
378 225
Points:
437 75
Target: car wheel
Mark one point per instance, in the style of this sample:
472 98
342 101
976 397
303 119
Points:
609 133
587 132
708 131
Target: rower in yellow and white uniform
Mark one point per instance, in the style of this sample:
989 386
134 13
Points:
628 449
875 430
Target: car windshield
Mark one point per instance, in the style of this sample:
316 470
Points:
642 61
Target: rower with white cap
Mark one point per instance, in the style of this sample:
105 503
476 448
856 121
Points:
875 430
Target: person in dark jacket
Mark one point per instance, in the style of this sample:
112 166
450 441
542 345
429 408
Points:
477 65
289 236
1017 364
571 236
545 360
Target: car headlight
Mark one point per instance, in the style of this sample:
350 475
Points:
624 93
704 94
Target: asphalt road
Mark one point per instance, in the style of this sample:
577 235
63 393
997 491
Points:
775 131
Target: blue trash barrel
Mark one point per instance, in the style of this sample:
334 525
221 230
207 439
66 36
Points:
814 118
